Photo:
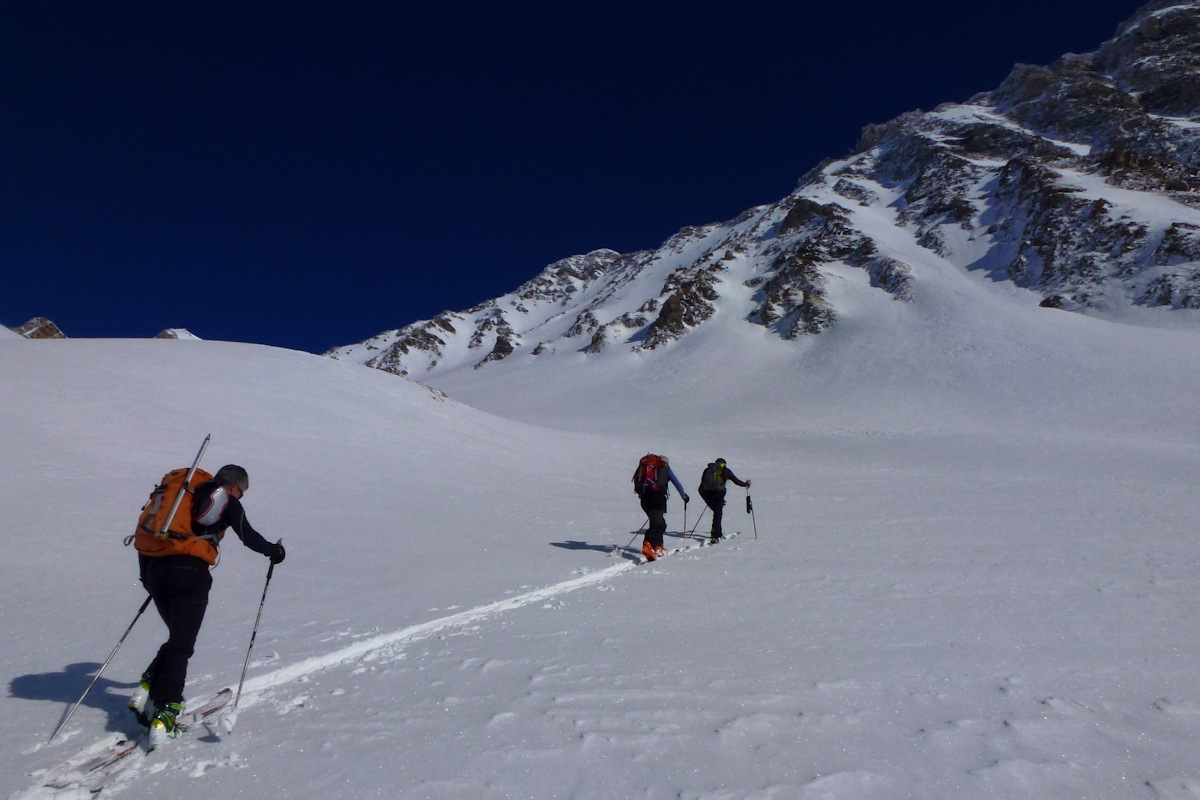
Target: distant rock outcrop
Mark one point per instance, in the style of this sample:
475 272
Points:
40 328
177 333
1079 181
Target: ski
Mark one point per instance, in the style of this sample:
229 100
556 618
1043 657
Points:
690 545
99 764
121 748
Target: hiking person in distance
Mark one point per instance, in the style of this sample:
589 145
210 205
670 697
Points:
175 571
712 491
651 482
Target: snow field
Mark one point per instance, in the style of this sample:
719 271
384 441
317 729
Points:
973 577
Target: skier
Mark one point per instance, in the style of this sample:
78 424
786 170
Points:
712 490
650 481
179 583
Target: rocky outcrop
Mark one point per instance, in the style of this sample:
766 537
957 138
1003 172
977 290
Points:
496 329
691 294
40 328
792 294
893 276
176 333
414 339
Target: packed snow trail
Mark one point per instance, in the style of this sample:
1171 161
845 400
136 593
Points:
423 630
95 769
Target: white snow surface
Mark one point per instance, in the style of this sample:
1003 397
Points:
971 571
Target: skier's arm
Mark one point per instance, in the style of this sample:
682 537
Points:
682 492
730 476
235 518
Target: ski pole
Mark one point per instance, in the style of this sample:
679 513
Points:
254 633
750 511
635 534
103 666
699 519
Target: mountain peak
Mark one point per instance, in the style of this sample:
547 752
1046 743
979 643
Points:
1078 181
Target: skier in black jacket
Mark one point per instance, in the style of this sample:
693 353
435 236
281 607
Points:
712 490
179 586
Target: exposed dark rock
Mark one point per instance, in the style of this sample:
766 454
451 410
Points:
501 349
793 301
856 192
40 328
599 340
894 277
675 317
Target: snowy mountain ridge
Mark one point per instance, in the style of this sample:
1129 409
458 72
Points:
1079 181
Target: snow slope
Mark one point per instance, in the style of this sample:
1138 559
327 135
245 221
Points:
971 571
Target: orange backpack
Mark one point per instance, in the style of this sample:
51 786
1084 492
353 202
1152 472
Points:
157 536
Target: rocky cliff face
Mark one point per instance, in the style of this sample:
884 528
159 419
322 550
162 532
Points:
1079 181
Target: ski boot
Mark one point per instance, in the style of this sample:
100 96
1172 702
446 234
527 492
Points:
166 725
648 551
139 701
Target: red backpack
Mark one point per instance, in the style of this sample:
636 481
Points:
650 477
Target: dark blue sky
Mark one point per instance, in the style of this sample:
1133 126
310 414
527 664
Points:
308 174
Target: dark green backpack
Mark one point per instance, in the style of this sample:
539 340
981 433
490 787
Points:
713 478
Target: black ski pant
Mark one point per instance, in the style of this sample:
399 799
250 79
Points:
656 511
179 586
716 501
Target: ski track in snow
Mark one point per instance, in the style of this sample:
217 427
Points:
387 641
67 781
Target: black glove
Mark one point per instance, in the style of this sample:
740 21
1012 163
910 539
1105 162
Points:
686 499
278 554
